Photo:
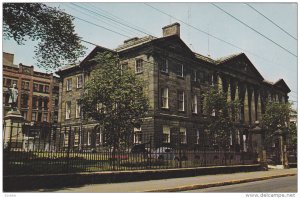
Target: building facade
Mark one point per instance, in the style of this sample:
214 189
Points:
37 91
176 78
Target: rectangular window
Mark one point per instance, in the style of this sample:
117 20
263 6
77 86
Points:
89 138
41 88
164 98
25 85
202 77
39 118
166 134
76 136
8 82
15 82
34 101
78 109
79 81
68 110
164 65
45 118
124 67
33 116
198 136
35 87
24 114
182 135
194 104
137 135
46 89
179 70
139 66
69 84
181 101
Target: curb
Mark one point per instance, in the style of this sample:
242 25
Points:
16 182
209 185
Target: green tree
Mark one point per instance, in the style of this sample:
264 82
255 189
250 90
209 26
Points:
276 115
53 29
115 99
221 116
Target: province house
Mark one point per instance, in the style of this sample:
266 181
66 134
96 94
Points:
176 78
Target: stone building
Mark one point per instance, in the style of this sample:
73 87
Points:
38 92
176 78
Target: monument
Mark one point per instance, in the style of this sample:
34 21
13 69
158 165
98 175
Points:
13 121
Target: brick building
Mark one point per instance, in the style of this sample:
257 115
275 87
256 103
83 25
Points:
38 92
176 78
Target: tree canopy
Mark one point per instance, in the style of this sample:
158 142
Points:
221 115
58 44
276 115
115 98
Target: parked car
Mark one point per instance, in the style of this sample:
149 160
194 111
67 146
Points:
167 153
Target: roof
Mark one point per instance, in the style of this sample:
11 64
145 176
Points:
204 58
134 42
227 58
281 84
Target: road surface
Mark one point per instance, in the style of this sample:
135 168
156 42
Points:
283 184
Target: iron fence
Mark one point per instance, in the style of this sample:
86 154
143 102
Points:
47 149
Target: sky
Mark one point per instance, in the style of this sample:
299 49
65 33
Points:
211 31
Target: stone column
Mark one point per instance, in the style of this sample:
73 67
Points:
246 108
280 136
257 145
252 111
259 117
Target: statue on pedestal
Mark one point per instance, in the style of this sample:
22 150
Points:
13 97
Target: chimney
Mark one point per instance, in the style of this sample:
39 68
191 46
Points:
8 59
172 29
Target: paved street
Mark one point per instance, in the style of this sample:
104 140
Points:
143 186
284 184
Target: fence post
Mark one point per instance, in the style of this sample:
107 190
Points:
150 152
68 150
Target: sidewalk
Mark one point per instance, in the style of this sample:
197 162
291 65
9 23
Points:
181 184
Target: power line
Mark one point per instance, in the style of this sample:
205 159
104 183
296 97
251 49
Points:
271 21
118 18
100 26
254 30
210 35
114 26
112 19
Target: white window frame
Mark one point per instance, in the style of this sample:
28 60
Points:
165 98
195 104
88 138
182 132
76 136
137 132
139 64
198 136
165 66
181 100
181 72
68 110
46 117
33 118
78 110
79 82
69 84
195 76
166 131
